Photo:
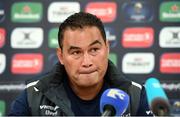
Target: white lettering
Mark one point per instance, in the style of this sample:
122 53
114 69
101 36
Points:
22 16
101 12
170 63
26 63
48 112
172 86
12 87
171 15
115 93
137 37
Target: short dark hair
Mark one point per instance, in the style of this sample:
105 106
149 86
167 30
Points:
80 20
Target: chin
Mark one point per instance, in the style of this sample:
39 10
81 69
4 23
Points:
87 83
89 80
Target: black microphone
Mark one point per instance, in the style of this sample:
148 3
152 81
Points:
114 102
157 98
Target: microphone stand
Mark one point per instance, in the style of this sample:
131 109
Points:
108 111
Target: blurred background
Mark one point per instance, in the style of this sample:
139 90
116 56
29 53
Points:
144 37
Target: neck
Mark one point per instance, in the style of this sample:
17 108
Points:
87 93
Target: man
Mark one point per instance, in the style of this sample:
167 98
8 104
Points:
75 85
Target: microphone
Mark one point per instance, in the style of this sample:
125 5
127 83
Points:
157 98
114 102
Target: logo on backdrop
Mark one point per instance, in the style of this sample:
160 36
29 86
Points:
53 38
138 63
169 37
137 11
138 37
171 86
59 11
27 63
170 63
2 37
2 12
12 87
26 12
106 11
170 11
26 38
2 63
2 108
111 36
113 58
175 106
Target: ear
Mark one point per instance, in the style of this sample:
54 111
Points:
60 55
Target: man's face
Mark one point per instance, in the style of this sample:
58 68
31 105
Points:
84 56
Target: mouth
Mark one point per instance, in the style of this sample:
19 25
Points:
87 71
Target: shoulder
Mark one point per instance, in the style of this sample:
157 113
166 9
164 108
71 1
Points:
20 106
136 85
53 78
135 89
137 94
31 84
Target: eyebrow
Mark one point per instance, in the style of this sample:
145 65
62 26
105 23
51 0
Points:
73 47
93 43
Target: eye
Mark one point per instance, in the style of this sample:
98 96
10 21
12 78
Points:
76 52
94 49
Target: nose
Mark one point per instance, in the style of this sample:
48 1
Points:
86 60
